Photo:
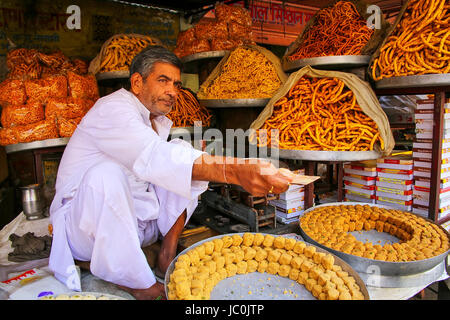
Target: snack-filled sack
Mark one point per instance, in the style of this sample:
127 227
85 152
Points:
17 115
324 111
339 28
119 50
418 44
42 130
83 86
66 127
12 92
246 72
43 89
68 108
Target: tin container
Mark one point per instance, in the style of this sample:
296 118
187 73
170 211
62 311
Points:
33 202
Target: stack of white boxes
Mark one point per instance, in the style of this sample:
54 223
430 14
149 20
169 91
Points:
359 181
395 181
291 204
422 153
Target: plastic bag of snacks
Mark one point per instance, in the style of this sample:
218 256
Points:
43 89
16 115
12 92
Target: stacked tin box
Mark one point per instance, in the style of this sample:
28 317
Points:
394 185
291 204
422 150
359 181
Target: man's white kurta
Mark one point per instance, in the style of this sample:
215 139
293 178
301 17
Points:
106 224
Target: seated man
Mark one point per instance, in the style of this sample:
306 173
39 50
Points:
121 185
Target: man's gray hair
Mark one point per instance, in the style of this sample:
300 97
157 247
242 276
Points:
144 61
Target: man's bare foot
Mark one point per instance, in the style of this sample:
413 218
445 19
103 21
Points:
156 291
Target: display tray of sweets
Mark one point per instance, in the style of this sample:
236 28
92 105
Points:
259 266
120 74
234 103
373 235
81 296
318 155
48 143
426 80
328 62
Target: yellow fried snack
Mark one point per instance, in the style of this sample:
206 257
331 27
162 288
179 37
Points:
247 74
268 240
278 242
258 239
247 239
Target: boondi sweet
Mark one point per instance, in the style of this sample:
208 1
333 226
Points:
201 268
419 238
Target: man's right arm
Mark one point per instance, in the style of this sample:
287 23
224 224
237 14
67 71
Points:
256 176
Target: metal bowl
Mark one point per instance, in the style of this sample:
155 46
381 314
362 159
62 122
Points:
385 268
271 281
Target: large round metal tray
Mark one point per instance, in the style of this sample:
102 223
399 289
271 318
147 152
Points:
122 74
193 62
263 286
329 63
80 296
426 80
58 142
234 103
385 268
327 155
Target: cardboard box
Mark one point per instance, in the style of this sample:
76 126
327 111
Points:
351 179
370 191
394 186
395 181
356 198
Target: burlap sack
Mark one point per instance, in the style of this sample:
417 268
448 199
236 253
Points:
364 94
388 33
94 66
218 69
361 7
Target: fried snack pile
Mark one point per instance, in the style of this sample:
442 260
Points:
201 268
320 114
419 44
419 239
121 50
45 108
247 74
337 30
187 110
25 64
231 27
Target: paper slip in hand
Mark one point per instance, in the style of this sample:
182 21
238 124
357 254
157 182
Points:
299 179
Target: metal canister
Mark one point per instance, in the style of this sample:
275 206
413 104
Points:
32 202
